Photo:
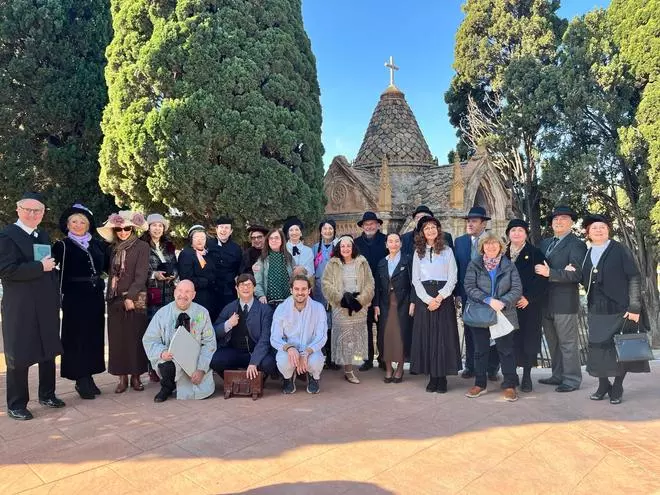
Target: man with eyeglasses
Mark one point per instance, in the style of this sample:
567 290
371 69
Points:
30 307
257 235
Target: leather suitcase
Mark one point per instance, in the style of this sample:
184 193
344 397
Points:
238 384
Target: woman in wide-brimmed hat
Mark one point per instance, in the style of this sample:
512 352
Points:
126 295
82 261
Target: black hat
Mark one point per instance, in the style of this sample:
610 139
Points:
33 195
593 218
422 209
290 222
425 220
76 208
257 228
224 221
563 210
477 212
517 222
369 215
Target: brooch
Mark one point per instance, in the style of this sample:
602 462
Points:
527 257
402 268
595 270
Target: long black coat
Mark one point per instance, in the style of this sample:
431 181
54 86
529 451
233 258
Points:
535 289
83 307
30 303
402 284
204 279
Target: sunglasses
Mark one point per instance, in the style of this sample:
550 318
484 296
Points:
122 229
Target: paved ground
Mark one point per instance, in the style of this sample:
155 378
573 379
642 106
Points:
366 439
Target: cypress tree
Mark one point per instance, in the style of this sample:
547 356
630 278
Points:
52 94
213 109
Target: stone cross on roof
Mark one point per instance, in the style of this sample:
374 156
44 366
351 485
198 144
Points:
390 65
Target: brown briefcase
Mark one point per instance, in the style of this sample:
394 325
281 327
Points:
238 384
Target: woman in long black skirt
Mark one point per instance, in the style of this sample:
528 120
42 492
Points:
435 345
613 284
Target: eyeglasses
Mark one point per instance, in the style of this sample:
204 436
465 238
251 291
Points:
255 237
32 211
122 229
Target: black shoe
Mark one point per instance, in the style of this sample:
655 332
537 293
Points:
442 385
95 389
467 373
312 385
616 394
388 379
550 381
289 386
565 388
19 414
600 393
366 366
53 402
526 384
163 395
85 392
433 385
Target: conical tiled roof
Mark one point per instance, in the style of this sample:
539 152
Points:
393 130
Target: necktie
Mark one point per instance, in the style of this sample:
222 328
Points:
296 251
474 252
245 309
552 245
183 320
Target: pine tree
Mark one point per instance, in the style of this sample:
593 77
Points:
52 94
214 109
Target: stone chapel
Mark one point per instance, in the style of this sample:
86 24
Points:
394 172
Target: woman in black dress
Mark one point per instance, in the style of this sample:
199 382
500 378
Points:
527 339
394 308
82 261
613 284
197 266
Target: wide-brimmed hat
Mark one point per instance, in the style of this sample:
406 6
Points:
427 219
76 209
158 218
125 218
422 209
563 210
596 217
257 228
369 215
517 222
477 212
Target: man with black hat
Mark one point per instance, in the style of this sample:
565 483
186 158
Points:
228 259
408 239
257 235
465 250
371 245
30 307
560 322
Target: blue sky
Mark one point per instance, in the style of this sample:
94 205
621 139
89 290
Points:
352 39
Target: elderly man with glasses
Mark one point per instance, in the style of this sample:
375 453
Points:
30 307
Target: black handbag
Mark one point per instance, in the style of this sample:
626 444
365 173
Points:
632 346
479 315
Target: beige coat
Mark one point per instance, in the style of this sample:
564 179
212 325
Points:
333 287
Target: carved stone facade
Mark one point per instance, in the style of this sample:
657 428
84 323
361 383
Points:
394 172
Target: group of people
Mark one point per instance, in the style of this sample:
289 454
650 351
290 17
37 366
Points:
283 309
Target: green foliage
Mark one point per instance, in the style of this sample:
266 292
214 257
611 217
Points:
51 97
214 108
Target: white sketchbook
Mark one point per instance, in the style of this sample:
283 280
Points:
185 350
501 328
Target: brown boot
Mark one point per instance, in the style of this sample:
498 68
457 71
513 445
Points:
122 385
136 384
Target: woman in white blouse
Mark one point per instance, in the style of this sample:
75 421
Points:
435 345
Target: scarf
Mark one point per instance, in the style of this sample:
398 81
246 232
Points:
323 254
514 253
200 257
277 285
83 240
492 263
118 265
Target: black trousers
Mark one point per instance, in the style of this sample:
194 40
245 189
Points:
18 393
371 321
167 372
482 349
228 358
493 356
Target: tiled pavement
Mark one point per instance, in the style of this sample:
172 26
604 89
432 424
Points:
366 439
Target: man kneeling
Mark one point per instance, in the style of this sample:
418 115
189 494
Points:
299 331
243 333
194 318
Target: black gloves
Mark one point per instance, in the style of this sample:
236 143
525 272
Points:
350 302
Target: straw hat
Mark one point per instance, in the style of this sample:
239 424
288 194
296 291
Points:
124 218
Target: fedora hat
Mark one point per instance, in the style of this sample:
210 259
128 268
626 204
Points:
76 209
369 215
477 212
517 222
563 210
125 218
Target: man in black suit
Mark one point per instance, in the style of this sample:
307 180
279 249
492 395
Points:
560 313
30 308
408 239
243 333
228 259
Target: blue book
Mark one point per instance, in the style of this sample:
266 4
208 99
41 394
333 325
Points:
41 251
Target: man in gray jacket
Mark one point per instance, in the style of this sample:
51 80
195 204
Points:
560 313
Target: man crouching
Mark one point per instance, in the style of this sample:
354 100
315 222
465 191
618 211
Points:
299 331
194 318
